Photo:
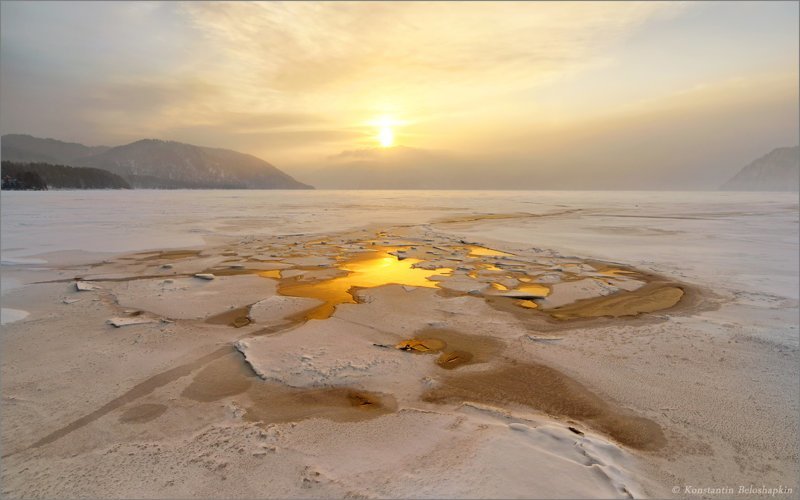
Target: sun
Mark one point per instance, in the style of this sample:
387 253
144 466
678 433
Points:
386 136
385 128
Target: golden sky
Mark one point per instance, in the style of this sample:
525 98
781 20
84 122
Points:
634 89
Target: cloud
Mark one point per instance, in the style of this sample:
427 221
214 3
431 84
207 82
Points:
348 62
249 67
183 107
300 47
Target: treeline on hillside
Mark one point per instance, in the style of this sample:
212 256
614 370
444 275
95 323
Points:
24 176
23 181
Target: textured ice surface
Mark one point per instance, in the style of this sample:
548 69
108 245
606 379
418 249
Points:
741 244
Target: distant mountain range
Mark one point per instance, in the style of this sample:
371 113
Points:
779 170
152 163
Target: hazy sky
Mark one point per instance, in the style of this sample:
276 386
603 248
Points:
516 94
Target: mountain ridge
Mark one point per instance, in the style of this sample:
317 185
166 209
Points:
778 170
26 147
156 163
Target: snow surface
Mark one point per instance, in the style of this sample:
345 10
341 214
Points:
748 241
117 221
741 241
743 246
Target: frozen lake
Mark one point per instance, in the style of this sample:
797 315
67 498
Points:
750 238
687 370
745 243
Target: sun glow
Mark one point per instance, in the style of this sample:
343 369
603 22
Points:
385 128
386 137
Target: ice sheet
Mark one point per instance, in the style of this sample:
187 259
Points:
741 245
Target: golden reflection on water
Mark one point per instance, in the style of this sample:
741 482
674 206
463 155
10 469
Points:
533 289
275 273
476 251
367 270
